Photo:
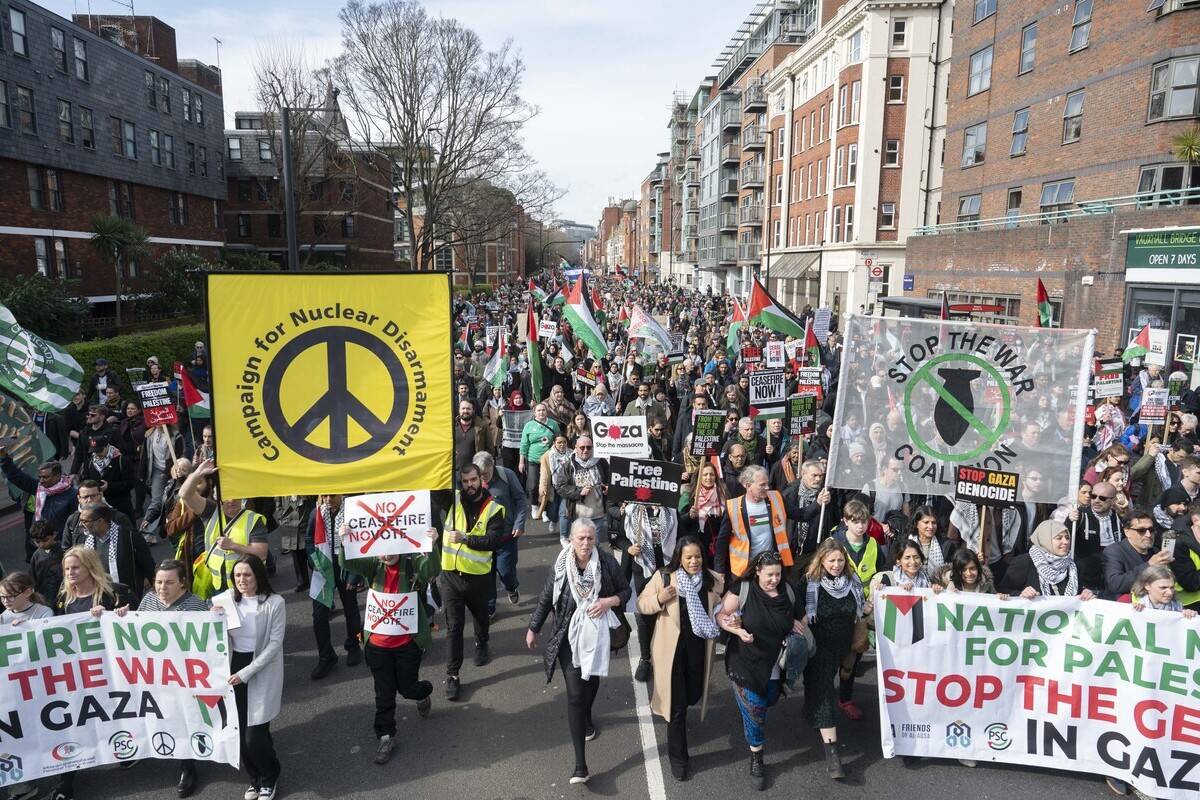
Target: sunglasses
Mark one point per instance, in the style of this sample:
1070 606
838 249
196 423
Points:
1140 530
583 447
1103 497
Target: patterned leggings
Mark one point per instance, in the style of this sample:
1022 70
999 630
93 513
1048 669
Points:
754 710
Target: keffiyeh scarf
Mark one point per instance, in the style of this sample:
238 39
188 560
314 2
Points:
1053 569
689 589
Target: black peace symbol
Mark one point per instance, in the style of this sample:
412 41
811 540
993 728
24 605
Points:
164 743
337 404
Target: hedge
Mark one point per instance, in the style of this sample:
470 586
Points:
132 350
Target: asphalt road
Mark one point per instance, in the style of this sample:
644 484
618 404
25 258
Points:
507 738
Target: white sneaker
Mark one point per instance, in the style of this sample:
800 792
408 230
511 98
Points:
251 794
545 518
266 793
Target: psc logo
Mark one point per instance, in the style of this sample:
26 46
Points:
66 751
12 769
123 745
958 734
997 736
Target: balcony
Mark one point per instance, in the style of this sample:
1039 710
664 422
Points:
750 251
728 221
752 176
753 138
729 187
726 254
693 152
730 153
691 177
691 231
750 215
691 254
731 118
754 98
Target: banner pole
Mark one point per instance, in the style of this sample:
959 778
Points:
1074 526
821 522
983 519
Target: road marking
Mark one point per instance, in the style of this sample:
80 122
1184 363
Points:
641 698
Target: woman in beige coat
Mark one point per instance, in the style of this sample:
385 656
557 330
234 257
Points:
683 596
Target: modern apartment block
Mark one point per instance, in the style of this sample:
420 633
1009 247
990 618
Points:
103 121
1062 163
655 224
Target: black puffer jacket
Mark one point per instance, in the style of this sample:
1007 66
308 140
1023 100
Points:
612 582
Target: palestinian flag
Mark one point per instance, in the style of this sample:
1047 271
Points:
1138 347
578 312
623 317
598 306
812 348
736 323
213 712
944 313
497 368
321 585
537 294
532 353
765 311
560 295
464 342
1045 313
198 402
644 326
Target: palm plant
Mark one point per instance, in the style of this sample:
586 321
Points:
117 240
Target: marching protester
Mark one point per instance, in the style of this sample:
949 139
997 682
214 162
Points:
536 438
1126 560
583 483
650 532
682 599
326 522
553 507
505 487
583 587
21 599
230 531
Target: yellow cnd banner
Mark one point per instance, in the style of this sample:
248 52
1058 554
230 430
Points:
330 383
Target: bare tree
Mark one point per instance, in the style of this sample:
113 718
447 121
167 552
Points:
447 113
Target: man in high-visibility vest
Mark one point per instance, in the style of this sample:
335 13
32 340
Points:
230 529
753 523
1186 565
474 528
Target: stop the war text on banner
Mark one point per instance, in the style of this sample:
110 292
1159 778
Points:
1055 682
81 691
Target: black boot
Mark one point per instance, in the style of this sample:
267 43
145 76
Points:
758 773
833 761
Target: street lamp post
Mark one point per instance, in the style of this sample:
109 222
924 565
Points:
289 194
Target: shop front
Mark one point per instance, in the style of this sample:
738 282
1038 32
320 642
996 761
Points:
1162 290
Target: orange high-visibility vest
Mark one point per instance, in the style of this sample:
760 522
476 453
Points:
739 542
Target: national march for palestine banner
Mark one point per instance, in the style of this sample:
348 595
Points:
34 370
1055 682
966 394
82 692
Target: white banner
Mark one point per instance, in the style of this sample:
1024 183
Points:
1092 687
966 394
773 354
386 523
620 436
391 614
547 329
80 692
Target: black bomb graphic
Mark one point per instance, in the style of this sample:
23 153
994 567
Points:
950 423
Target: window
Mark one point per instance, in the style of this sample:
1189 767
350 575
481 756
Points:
836 233
60 258
1020 132
843 108
186 95
803 138
264 191
319 227
1174 91
243 225
849 224
151 95
54 191
131 268
58 45
264 149
777 227
851 164
178 209
234 146
81 62
778 190
841 167
155 149
854 48
1028 48
1073 117
1012 208
780 142
983 10
244 192
1169 179
891 153
274 226
26 118
443 259
20 43
216 215
807 228
37 191
5 119
347 190
190 150
41 256
120 199
168 146
118 144
974 144
968 210
887 216
164 95
130 132
1058 196
1010 306
1081 25
895 92
198 111
203 162
66 127
980 79
900 32
810 182
821 162
87 128
855 101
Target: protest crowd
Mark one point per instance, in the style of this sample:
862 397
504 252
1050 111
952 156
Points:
722 476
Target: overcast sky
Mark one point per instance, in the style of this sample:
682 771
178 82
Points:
603 72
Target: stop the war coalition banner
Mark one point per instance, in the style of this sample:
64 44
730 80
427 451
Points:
79 692
1090 686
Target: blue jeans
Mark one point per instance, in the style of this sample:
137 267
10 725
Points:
504 566
753 708
562 519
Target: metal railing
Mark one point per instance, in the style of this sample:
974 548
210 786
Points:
751 251
752 174
731 118
693 152
754 96
748 215
727 253
728 220
691 176
752 137
1088 208
731 152
729 185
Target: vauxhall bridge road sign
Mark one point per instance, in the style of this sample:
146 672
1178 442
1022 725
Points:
330 383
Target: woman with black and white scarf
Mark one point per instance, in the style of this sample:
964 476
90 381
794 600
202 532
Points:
1047 569
648 541
584 587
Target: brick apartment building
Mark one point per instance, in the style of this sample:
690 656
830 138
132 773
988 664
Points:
655 221
103 120
1059 145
